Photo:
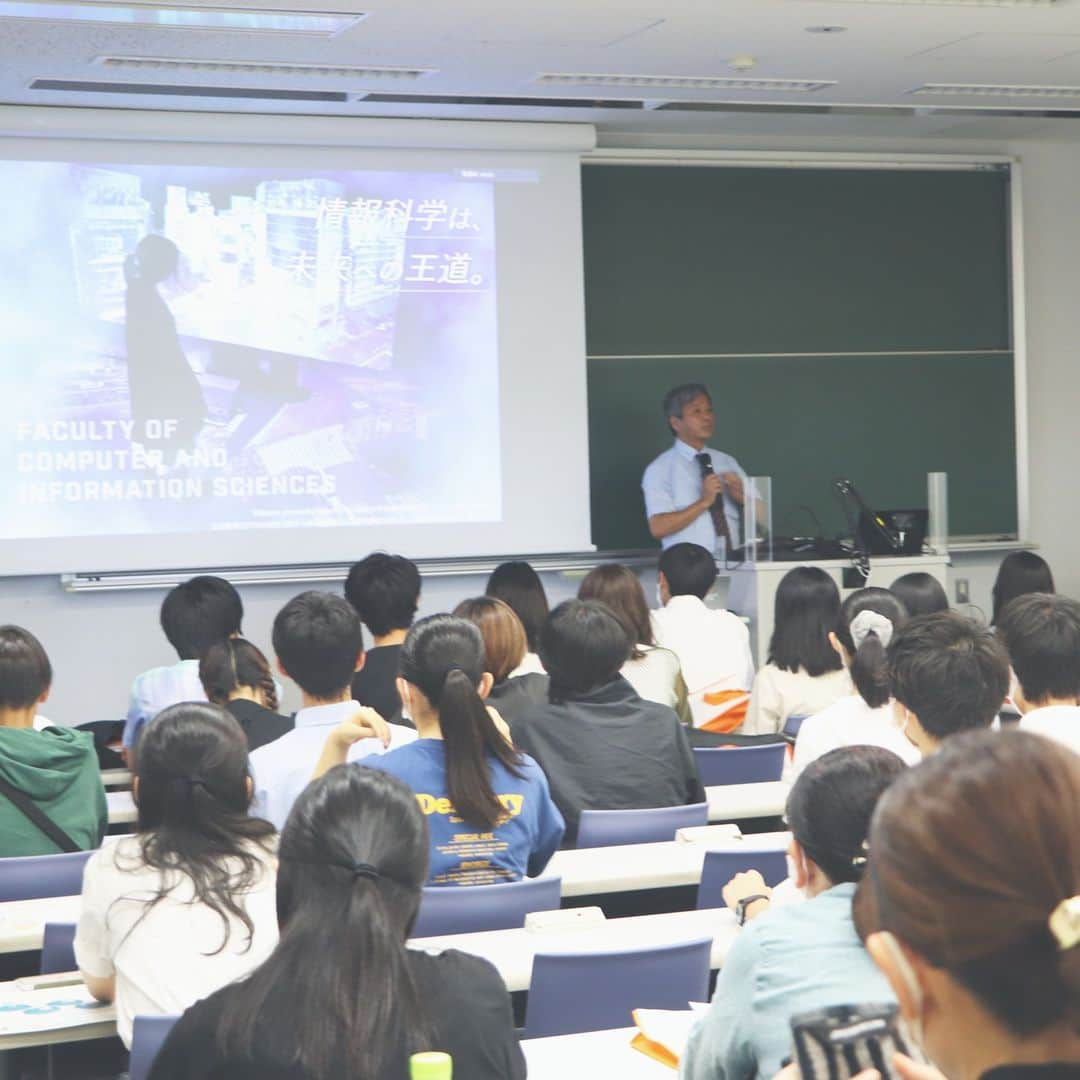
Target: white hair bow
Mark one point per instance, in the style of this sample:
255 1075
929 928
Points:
871 622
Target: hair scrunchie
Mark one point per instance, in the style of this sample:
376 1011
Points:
871 622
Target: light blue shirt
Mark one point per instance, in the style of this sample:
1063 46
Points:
673 482
789 960
282 769
157 689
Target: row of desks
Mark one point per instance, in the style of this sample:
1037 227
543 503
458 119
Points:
52 1014
584 872
732 802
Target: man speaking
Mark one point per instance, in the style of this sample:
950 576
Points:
694 493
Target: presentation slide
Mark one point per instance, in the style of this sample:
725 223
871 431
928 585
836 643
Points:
190 349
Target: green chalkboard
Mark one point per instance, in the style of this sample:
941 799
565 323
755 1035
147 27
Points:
848 322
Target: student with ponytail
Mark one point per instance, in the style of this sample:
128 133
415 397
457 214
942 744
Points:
868 619
186 905
342 996
488 807
235 674
971 907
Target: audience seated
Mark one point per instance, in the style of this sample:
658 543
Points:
186 905
319 644
505 646
796 958
342 996
385 590
1020 573
654 672
1041 633
804 673
235 674
519 585
946 675
920 593
489 811
50 786
194 615
868 620
601 745
712 645
971 907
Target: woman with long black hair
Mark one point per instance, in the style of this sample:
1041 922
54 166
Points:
342 996
186 905
488 807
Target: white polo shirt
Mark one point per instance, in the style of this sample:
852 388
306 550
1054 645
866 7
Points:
1058 722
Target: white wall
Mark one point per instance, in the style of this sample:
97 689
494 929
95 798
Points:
99 641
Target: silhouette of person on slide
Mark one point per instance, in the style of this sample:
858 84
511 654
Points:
167 402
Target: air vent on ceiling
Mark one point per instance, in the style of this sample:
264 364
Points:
229 67
506 102
72 86
686 82
993 90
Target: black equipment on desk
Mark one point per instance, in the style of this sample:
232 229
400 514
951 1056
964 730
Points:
894 532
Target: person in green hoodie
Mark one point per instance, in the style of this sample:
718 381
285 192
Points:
57 767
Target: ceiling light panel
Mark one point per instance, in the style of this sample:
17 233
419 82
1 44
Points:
686 82
180 17
237 67
958 3
992 90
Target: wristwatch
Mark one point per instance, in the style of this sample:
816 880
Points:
744 903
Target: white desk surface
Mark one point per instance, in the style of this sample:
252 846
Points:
584 872
60 1014
591 1054
734 802
116 778
594 871
512 951
121 807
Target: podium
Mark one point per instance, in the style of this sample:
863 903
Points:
752 592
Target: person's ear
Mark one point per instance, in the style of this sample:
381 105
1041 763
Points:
249 787
44 695
403 693
135 790
360 661
799 865
281 667
839 649
904 969
487 681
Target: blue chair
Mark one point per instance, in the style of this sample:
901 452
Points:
58 948
609 828
740 764
791 728
34 877
466 909
721 866
147 1035
592 991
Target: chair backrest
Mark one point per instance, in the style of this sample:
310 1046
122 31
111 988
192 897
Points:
740 764
721 866
466 909
792 725
58 948
592 991
608 828
34 877
147 1035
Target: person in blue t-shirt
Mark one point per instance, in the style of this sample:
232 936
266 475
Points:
489 810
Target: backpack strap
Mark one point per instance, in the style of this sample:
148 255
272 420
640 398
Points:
30 809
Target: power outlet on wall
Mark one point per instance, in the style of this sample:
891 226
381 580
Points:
963 591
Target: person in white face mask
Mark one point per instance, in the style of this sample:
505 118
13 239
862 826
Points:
971 907
798 958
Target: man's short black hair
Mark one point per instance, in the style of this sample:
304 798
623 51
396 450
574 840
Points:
199 613
25 671
678 397
582 645
1041 633
318 638
952 674
385 590
689 570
